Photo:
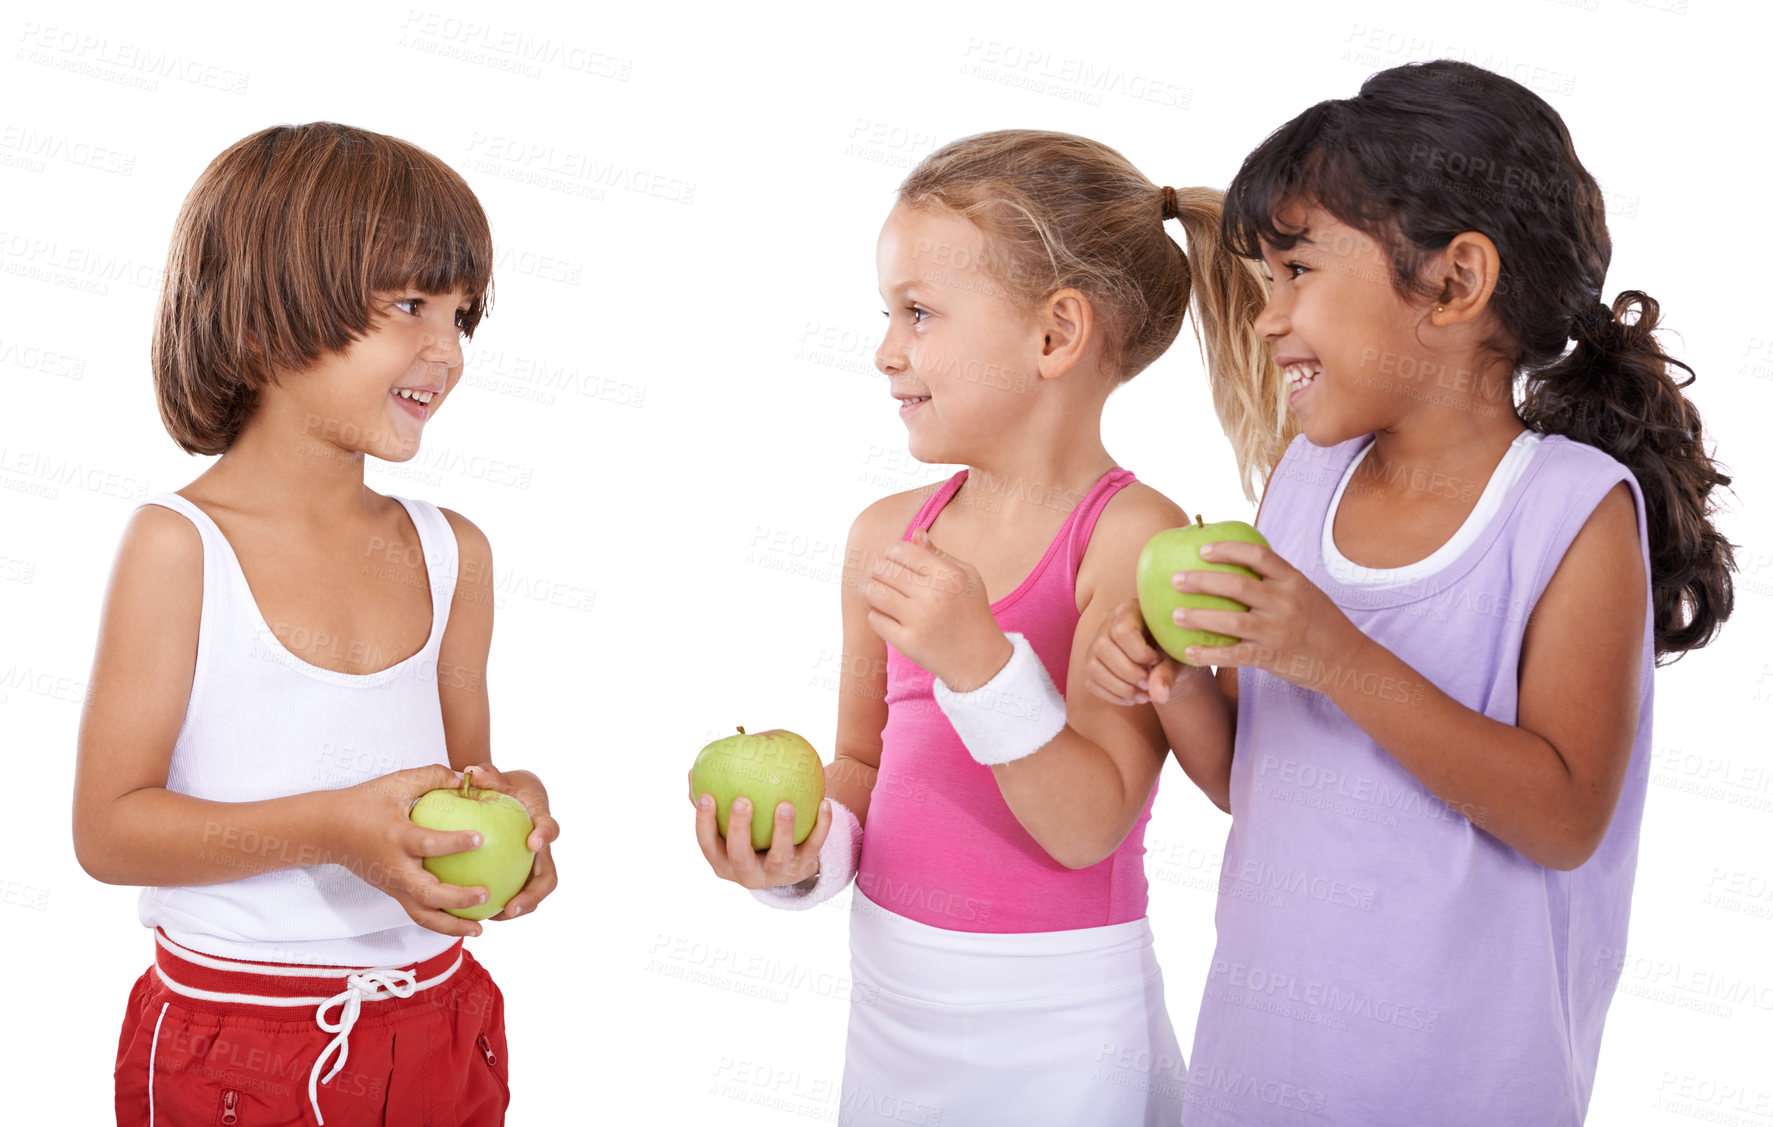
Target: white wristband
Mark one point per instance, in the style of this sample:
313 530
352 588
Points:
838 858
1014 714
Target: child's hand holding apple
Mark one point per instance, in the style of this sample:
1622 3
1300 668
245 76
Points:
369 833
1140 653
779 768
514 861
732 857
1124 667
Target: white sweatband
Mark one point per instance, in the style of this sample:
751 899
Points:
838 859
1014 714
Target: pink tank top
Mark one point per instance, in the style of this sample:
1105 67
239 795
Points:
941 846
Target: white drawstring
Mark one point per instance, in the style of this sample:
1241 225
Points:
372 984
368 984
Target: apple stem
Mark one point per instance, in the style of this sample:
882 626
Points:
467 777
741 729
1197 521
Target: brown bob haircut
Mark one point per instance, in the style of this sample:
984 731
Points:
280 252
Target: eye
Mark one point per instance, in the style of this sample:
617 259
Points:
462 320
1291 267
918 313
415 302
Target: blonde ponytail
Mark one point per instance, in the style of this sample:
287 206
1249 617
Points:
1228 292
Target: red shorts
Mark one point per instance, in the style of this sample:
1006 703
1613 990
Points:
217 1041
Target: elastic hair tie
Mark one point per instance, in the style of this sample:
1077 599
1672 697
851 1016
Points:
1170 211
1592 323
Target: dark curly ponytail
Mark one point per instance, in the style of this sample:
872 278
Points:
1428 150
1615 390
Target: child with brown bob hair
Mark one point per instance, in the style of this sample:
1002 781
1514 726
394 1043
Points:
287 660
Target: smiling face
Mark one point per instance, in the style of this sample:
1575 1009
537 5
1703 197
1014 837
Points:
1336 326
958 352
375 396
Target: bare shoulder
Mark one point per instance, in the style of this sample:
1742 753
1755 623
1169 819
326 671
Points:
1605 555
1130 518
1614 521
885 520
470 541
163 542
473 550
468 638
153 612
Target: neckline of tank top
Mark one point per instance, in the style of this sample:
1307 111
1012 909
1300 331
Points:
375 677
1508 470
952 486
1430 586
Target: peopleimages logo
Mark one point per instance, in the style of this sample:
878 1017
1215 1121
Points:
1205 1083
1297 781
1281 879
1262 987
898 895
125 63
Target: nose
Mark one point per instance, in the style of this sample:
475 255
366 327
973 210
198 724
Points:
889 357
1271 324
443 348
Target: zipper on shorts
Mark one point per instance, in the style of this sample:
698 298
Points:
486 1051
230 1098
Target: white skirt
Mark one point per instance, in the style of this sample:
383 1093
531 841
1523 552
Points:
969 1029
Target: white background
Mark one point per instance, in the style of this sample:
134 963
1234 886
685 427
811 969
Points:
668 517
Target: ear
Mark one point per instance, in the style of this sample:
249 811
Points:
1067 325
1465 274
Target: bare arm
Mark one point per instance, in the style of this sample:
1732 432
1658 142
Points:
1079 795
1197 705
861 701
467 712
1200 723
467 642
1127 669
129 829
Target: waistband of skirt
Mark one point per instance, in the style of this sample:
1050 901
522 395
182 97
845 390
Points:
913 959
291 987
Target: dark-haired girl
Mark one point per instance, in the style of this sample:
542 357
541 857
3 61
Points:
1443 691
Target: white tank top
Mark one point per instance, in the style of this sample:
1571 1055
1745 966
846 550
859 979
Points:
263 723
1508 471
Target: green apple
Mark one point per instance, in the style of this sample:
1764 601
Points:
1178 549
768 768
502 863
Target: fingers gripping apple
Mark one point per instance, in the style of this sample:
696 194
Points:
502 863
768 768
1178 549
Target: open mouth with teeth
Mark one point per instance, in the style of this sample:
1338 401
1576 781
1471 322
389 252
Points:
1301 375
415 401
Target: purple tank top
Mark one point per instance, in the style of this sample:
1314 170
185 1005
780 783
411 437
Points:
1380 960
941 846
